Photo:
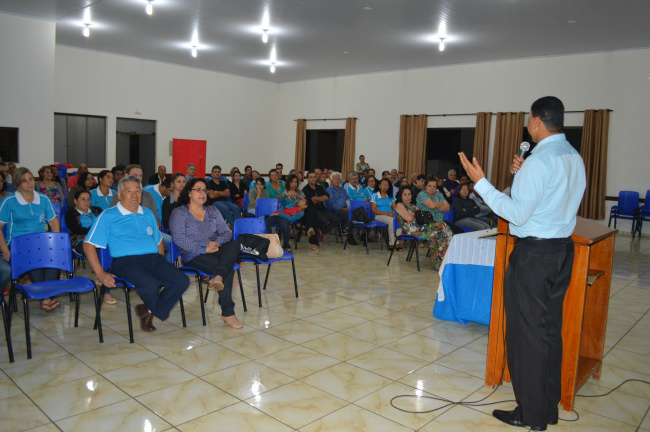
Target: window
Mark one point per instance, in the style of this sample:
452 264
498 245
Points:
443 146
80 139
325 149
9 144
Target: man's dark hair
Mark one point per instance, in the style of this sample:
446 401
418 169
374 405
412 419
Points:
215 167
102 174
167 183
279 165
384 173
117 168
184 198
430 177
311 171
272 171
260 180
258 173
422 177
551 111
246 167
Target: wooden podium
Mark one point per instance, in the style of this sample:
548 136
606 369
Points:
585 308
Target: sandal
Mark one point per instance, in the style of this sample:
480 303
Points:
232 321
213 284
49 307
111 300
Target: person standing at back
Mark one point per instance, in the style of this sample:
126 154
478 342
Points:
542 208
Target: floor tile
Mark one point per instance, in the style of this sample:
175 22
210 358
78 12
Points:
443 382
298 361
388 363
257 344
111 357
20 413
346 381
622 407
239 417
462 419
147 376
353 419
335 320
340 346
422 347
206 359
48 372
296 404
376 333
298 331
248 379
187 401
465 360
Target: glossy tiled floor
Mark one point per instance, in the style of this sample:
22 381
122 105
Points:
360 334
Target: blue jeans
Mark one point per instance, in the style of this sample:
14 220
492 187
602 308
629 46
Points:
230 211
284 228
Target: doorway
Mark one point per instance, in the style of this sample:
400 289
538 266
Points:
325 149
136 144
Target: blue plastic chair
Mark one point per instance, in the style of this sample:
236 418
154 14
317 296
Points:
245 207
627 208
105 260
266 207
373 224
413 245
46 250
644 214
174 257
257 226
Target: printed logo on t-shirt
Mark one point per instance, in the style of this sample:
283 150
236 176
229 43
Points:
41 218
149 231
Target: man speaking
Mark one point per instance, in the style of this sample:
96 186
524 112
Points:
545 196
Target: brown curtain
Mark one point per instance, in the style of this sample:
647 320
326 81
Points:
509 133
412 144
348 147
593 150
301 145
482 137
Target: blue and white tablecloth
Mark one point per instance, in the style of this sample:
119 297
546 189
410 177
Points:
466 275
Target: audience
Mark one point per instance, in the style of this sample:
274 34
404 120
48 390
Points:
278 169
205 243
148 201
259 191
443 190
3 189
85 182
451 183
118 173
11 169
369 190
437 234
353 189
417 186
158 177
49 187
171 202
238 189
316 214
101 196
4 170
218 194
131 232
159 192
362 165
293 204
382 204
274 186
26 212
254 175
73 180
431 200
247 178
191 171
339 205
466 210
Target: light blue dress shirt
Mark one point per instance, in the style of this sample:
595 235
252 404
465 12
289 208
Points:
546 192
338 197
355 194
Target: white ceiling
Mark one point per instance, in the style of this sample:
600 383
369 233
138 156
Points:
311 36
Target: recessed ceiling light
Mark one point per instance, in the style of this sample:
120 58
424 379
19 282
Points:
345 52
572 21
367 8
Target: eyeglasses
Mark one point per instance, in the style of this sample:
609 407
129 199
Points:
201 191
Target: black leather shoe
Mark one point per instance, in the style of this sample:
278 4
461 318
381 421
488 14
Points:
513 418
146 318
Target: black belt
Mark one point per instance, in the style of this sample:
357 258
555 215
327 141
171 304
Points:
525 239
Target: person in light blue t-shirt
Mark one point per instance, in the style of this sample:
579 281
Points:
26 212
101 196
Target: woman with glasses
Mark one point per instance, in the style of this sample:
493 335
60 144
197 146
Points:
48 186
205 243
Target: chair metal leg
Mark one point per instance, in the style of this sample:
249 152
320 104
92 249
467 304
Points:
5 321
180 302
417 254
128 312
28 338
241 290
367 238
77 298
391 252
268 270
100 301
412 246
259 290
295 281
98 318
201 298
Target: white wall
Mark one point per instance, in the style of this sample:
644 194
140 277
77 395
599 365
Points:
27 86
235 115
616 80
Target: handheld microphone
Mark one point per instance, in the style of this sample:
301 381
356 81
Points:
523 148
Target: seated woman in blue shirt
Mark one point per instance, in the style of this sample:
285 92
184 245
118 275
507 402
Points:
293 205
102 194
369 190
382 204
26 212
205 243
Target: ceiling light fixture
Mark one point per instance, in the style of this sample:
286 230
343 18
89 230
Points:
265 27
272 67
195 43
265 35
86 21
441 45
149 8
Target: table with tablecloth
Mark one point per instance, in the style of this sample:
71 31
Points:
466 274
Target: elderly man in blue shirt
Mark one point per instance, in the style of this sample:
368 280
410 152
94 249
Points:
135 242
542 208
339 204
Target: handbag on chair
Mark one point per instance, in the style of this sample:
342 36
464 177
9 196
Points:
423 217
359 215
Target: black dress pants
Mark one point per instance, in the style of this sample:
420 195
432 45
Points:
535 283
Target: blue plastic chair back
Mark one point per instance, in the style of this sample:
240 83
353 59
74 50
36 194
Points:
246 201
628 200
105 258
174 252
40 250
62 171
449 215
248 226
266 206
